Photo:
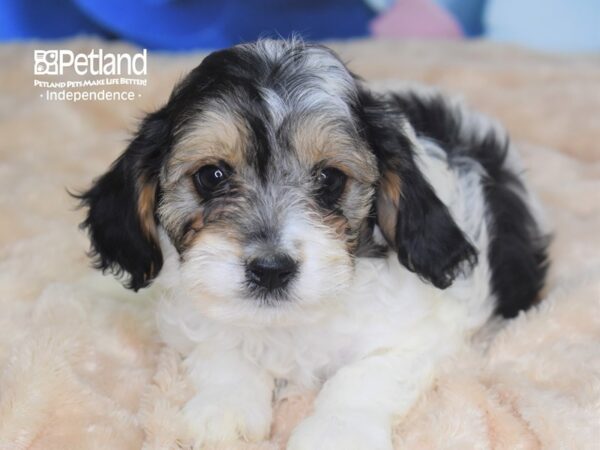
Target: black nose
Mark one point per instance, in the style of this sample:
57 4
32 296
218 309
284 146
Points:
273 272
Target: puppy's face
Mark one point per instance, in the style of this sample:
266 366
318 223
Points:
269 184
267 174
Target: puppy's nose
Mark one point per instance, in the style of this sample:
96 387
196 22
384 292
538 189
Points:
272 272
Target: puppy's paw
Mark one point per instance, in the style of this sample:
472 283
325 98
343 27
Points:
215 419
344 431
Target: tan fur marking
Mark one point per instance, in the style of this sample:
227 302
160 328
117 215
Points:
388 203
146 200
317 140
216 135
216 231
338 223
196 226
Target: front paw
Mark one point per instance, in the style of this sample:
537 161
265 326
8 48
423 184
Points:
345 431
214 419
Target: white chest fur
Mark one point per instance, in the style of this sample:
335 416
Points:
386 307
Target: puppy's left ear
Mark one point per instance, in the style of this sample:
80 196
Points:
414 221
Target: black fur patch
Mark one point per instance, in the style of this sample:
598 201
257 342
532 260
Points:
427 239
260 153
118 242
518 249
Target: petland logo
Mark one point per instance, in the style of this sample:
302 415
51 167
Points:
95 76
96 62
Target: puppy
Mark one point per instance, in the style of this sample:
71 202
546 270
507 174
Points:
315 235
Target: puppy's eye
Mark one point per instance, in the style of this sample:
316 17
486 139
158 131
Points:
331 183
209 179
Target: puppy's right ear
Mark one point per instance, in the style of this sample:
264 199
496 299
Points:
121 205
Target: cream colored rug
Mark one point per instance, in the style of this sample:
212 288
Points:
80 362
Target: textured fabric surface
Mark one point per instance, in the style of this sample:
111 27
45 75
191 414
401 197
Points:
81 366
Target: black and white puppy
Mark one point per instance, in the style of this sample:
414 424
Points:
313 234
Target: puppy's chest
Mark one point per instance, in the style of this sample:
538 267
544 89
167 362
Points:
306 356
372 317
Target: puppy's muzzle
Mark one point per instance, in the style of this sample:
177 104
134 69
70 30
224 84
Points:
272 272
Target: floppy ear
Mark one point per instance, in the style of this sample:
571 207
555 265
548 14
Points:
121 208
414 221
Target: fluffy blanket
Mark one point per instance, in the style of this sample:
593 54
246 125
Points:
81 365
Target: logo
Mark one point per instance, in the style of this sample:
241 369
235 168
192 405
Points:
96 62
92 76
45 62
